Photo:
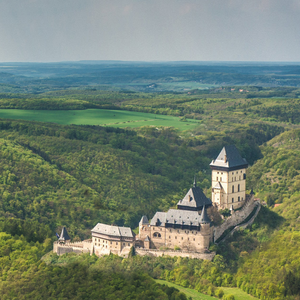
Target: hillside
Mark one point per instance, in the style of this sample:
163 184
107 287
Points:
267 253
68 175
77 176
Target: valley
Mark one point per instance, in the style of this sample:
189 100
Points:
77 151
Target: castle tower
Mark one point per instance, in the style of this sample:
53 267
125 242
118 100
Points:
194 199
64 237
143 228
229 178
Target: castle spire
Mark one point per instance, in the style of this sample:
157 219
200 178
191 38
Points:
195 183
204 219
64 235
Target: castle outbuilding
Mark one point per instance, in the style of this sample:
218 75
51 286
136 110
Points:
229 179
111 239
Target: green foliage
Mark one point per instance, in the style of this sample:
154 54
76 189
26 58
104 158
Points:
229 297
77 176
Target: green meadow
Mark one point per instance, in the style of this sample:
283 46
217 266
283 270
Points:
189 292
238 293
103 117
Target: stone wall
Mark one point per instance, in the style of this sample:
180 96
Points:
189 240
76 247
236 218
154 252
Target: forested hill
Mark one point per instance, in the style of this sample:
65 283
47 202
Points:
80 175
272 270
54 175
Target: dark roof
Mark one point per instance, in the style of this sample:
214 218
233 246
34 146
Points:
204 219
194 199
144 220
176 216
112 230
229 158
64 235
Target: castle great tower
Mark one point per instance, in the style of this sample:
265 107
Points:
229 178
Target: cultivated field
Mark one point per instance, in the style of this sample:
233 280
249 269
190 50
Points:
103 117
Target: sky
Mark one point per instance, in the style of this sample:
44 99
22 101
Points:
149 30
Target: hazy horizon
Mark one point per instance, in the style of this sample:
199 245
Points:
150 31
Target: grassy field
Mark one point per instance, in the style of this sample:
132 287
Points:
104 117
189 292
238 293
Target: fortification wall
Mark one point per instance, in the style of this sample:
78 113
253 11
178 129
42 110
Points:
153 252
76 247
236 218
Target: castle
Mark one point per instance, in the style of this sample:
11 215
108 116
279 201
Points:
187 228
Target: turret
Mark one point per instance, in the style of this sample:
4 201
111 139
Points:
143 227
64 237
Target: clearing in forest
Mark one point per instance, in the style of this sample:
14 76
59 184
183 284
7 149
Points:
103 117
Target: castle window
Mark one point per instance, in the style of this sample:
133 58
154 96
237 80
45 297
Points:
128 244
110 242
220 178
156 235
232 200
217 172
233 189
175 237
193 239
217 178
123 244
244 176
221 173
182 238
116 243
236 172
239 199
240 177
169 236
178 231
238 187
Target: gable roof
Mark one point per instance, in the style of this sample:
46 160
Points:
112 230
218 186
64 235
229 158
194 199
177 216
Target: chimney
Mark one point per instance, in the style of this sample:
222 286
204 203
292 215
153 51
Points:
225 158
